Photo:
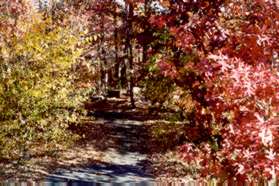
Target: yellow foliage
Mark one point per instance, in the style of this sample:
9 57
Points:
37 95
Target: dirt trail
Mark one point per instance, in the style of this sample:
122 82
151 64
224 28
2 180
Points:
116 146
121 137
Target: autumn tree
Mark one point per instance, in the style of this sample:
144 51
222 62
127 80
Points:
225 53
38 96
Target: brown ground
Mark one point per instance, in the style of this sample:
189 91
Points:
102 130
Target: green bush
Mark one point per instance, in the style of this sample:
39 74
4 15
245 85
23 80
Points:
168 135
157 89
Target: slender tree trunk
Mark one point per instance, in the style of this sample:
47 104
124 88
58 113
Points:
131 75
147 15
123 71
129 29
102 53
117 66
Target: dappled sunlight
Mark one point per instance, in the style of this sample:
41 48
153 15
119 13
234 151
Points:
139 91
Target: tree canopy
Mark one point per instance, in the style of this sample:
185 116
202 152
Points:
215 62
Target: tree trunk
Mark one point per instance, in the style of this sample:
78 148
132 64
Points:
117 66
129 29
104 73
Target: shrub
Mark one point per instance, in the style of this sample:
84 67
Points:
244 121
233 82
38 98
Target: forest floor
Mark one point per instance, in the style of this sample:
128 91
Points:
116 146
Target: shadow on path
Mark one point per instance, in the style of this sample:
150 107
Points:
103 172
122 137
118 127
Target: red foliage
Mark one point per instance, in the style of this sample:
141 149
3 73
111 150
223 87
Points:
237 45
244 103
10 12
232 50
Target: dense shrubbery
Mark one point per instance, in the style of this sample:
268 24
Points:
38 98
243 116
234 83
157 89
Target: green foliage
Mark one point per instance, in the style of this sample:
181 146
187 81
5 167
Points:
157 89
37 96
168 135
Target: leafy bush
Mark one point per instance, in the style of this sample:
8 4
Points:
168 135
244 121
37 96
234 83
157 89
